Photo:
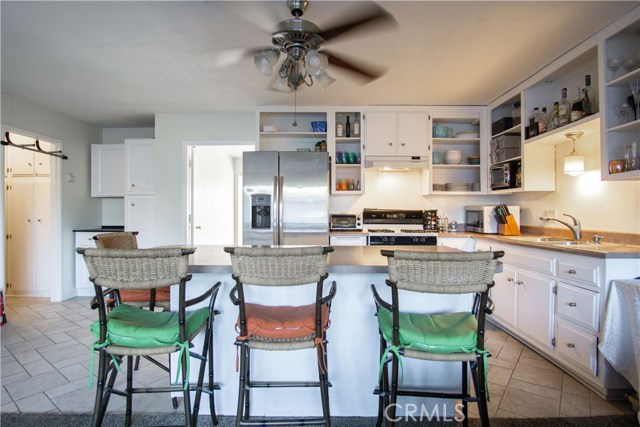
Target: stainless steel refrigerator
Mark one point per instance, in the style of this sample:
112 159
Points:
285 198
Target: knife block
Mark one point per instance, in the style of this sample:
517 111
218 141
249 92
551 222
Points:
510 228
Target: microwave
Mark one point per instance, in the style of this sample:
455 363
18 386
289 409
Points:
482 219
338 222
505 175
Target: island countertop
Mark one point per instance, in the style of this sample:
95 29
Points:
344 259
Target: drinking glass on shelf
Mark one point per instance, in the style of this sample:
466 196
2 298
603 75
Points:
635 91
624 109
614 64
629 63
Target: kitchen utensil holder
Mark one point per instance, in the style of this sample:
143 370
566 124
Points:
510 228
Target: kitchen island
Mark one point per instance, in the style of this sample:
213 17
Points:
353 349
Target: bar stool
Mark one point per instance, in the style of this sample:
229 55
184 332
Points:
448 337
281 328
127 331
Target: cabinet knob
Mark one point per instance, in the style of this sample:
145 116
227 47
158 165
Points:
390 144
570 345
571 272
133 185
198 228
520 282
133 204
509 279
572 304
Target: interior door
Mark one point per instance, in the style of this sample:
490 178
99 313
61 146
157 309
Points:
21 254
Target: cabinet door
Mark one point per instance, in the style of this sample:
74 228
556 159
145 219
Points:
503 295
42 163
380 133
20 252
413 134
42 238
535 306
84 287
107 170
139 216
139 165
21 162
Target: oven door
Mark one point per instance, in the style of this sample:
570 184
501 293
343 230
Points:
403 240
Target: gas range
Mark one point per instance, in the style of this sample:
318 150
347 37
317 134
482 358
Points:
396 227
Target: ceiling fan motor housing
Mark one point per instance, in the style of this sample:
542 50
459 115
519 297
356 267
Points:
297 7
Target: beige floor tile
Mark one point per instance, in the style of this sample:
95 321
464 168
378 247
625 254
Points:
534 389
529 405
494 390
493 405
502 363
11 368
36 403
573 405
69 387
570 385
509 354
599 406
29 356
551 378
38 367
7 408
34 385
498 375
506 414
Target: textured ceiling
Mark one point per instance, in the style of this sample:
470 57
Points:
116 64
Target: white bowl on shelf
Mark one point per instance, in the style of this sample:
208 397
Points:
453 157
270 128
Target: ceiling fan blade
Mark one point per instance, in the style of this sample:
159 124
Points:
222 58
370 16
363 71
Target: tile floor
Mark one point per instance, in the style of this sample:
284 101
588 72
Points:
45 359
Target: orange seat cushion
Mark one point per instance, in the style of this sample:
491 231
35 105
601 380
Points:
143 295
283 322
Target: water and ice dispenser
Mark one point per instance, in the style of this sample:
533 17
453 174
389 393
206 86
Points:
261 211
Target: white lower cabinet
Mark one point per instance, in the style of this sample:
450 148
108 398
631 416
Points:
348 240
139 216
463 243
84 287
553 300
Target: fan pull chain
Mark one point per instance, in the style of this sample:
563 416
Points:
295 103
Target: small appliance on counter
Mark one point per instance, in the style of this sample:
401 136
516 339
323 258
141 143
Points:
482 219
345 222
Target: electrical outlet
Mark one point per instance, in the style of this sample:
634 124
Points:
549 213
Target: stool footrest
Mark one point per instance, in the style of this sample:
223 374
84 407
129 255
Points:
424 393
283 422
284 384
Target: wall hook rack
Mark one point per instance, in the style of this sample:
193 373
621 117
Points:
29 147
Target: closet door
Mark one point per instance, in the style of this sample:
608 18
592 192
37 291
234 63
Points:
42 237
21 255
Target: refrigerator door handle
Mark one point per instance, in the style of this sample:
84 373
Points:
280 211
275 210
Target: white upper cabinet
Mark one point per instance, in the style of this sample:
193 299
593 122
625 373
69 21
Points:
139 166
391 133
107 170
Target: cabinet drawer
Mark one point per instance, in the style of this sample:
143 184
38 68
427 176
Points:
531 260
579 346
348 240
583 271
579 305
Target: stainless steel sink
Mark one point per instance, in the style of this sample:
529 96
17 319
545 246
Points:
542 239
571 243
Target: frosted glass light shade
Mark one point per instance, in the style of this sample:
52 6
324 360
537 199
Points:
324 80
574 164
265 61
316 63
281 84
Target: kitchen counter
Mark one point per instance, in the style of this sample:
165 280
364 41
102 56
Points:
101 229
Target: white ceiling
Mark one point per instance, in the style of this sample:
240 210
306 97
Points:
115 64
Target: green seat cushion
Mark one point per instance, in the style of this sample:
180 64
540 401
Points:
130 326
434 333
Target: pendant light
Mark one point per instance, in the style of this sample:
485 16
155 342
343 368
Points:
574 162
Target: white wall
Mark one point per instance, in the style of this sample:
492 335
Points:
173 131
113 207
78 209
600 205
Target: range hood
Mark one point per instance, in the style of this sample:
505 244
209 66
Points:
397 162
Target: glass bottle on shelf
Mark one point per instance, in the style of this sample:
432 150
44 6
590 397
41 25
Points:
564 109
515 113
577 109
356 126
347 128
589 97
533 122
542 121
339 127
553 119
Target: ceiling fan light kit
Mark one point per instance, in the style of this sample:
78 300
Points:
300 40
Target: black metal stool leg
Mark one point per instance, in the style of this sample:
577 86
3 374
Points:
482 393
324 383
391 412
247 389
127 417
383 386
186 393
212 403
241 384
102 378
465 393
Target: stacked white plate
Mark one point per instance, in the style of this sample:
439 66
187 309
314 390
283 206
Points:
439 187
456 186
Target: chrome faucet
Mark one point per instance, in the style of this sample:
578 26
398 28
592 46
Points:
575 228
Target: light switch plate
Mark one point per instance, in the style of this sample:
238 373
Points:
549 213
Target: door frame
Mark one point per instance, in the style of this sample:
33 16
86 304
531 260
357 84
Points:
55 188
187 178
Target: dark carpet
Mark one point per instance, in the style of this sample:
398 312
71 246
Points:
117 420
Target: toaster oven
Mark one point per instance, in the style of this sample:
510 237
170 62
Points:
505 175
338 222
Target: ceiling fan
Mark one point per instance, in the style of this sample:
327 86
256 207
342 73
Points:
305 59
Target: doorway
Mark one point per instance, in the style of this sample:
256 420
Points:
214 202
31 214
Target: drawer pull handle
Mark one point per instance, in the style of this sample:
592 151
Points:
572 304
520 282
571 272
571 345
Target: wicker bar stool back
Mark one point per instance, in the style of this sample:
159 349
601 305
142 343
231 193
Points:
126 331
281 328
447 337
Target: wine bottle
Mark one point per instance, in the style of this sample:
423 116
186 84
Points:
577 109
589 97
347 128
564 109
339 127
356 126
